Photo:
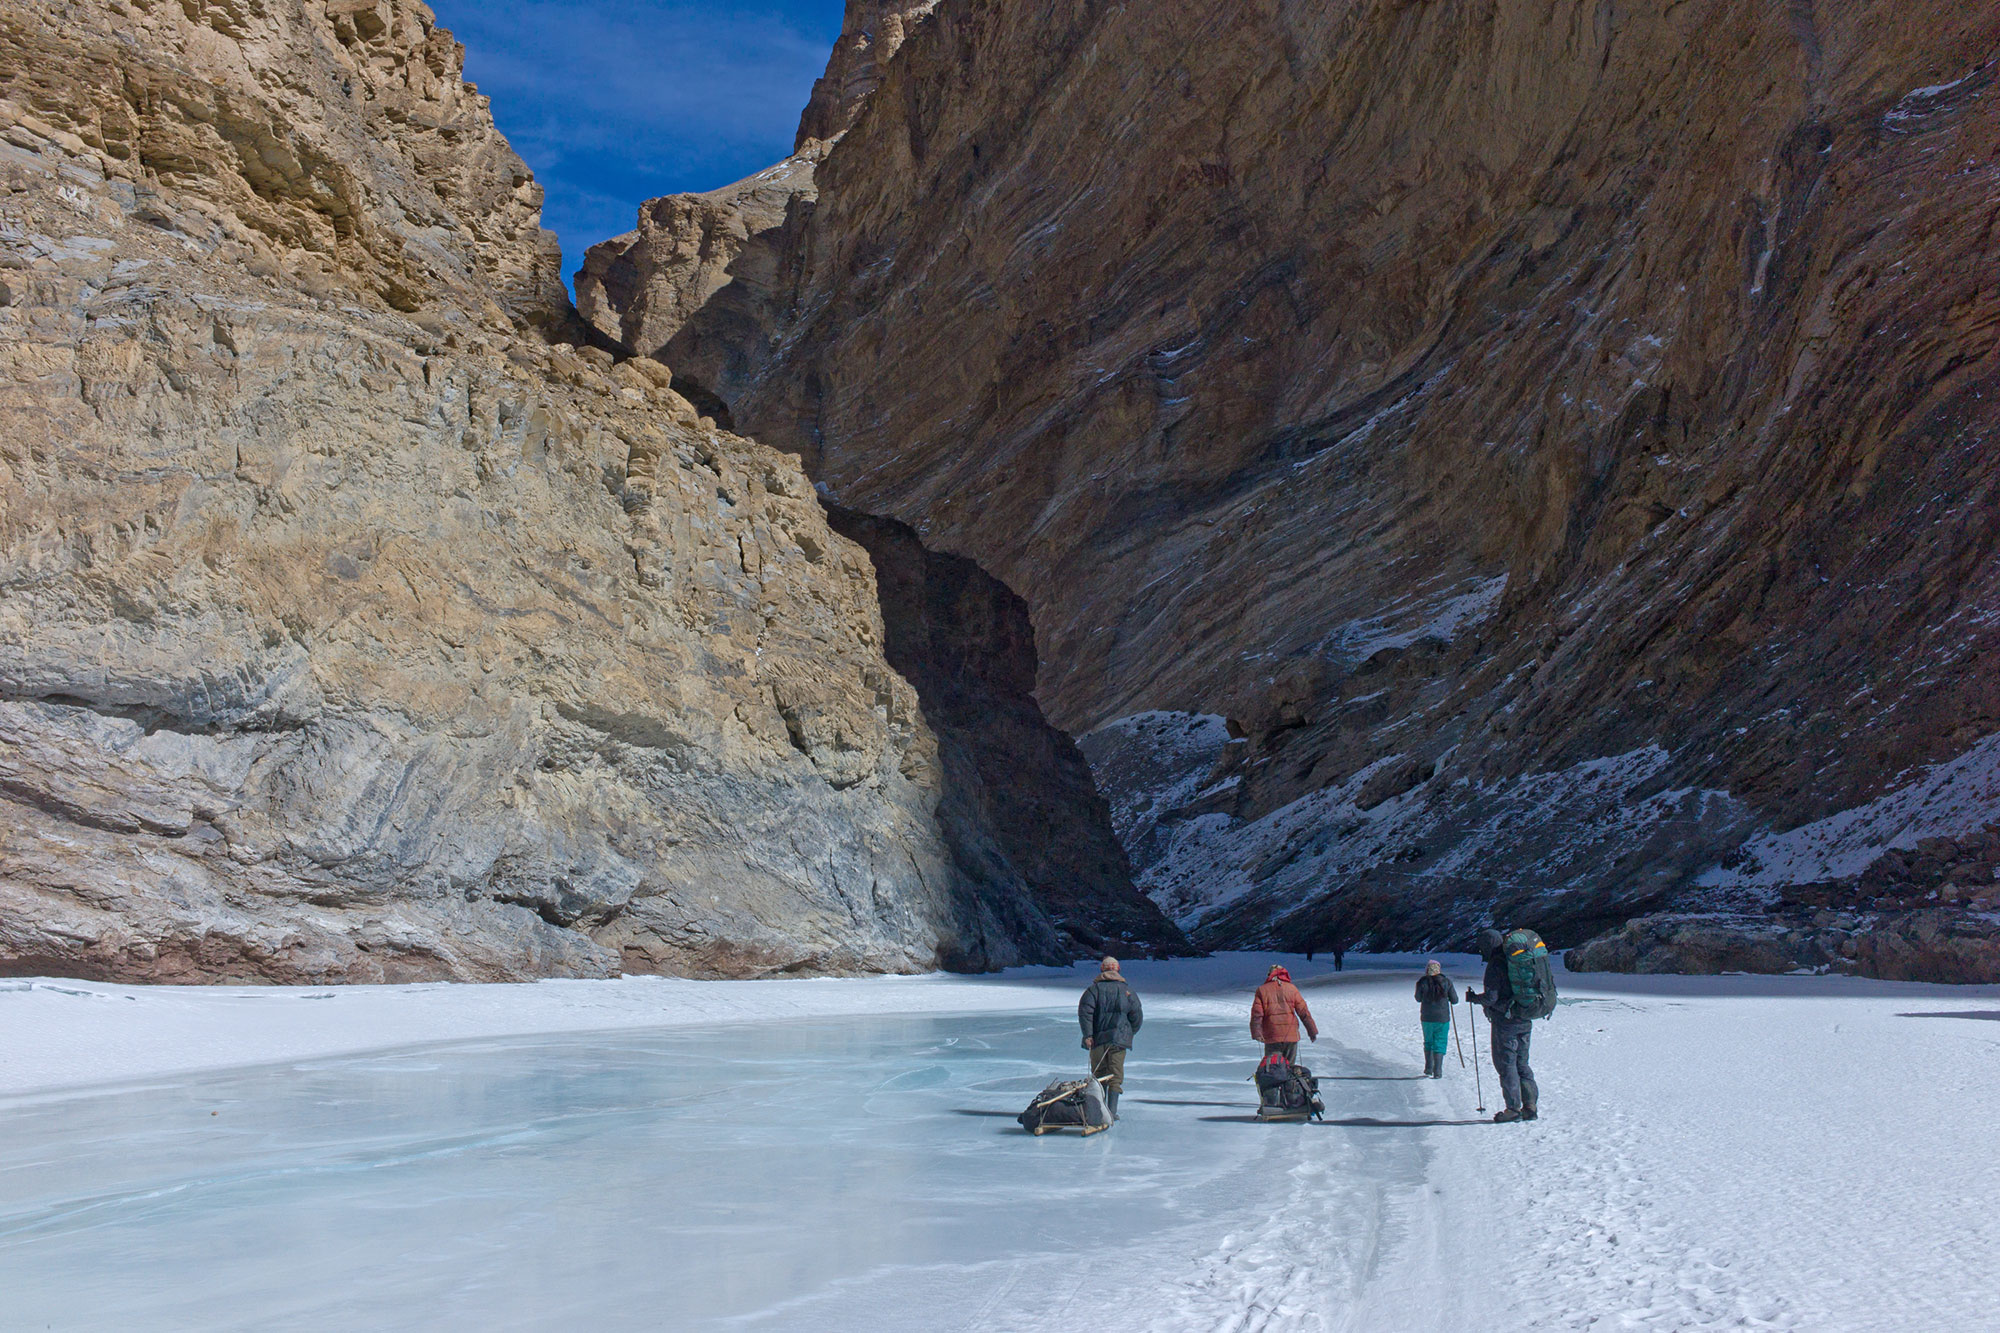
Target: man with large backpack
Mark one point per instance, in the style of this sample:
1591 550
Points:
1109 1014
1520 988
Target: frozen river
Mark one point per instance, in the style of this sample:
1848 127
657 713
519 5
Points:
849 1173
834 1155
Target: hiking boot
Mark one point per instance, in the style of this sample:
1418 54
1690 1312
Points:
1506 1117
1111 1103
1529 1113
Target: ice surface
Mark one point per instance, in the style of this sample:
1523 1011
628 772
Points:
1802 1153
851 1173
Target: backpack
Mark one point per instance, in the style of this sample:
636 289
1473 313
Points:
1076 1103
1528 974
1286 1091
1274 1072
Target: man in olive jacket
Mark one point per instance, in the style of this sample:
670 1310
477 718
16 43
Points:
1109 1015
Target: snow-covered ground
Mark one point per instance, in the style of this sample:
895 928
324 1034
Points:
1809 1153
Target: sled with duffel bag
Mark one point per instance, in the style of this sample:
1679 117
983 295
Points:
1287 1090
1068 1103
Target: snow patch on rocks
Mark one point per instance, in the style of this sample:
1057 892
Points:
1412 619
1548 828
1155 770
1950 799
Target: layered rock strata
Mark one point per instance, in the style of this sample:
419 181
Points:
1552 436
871 33
350 629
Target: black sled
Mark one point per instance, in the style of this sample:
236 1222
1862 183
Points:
1287 1091
1073 1103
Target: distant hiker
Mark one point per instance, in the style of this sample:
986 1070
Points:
1109 1015
1276 1013
1519 989
1340 957
1437 995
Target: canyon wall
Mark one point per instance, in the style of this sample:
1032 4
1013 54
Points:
871 33
963 639
1463 459
355 623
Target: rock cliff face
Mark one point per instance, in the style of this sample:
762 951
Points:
1933 944
716 255
353 629
871 33
1517 458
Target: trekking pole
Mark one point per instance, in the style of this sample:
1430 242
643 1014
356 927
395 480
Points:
1473 1019
1456 1044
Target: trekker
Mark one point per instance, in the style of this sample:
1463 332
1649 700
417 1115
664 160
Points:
1436 995
1512 1013
1110 1016
1276 1013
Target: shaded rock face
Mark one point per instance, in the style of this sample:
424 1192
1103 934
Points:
1554 437
1022 814
349 629
1937 945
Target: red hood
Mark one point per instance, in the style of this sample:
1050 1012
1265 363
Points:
1278 974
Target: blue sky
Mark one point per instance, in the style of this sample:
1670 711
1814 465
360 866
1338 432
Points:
613 102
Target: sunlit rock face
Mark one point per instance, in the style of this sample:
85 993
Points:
354 626
871 33
1556 439
716 255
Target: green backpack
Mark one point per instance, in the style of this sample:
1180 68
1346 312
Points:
1528 974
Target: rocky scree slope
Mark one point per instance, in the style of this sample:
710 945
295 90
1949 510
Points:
1462 459
353 630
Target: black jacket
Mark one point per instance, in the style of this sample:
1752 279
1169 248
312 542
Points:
1437 995
1109 1012
1497 999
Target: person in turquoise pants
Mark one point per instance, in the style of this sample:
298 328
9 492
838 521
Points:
1436 995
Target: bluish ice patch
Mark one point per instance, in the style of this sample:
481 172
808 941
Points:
742 1177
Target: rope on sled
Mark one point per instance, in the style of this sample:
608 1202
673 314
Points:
1069 1090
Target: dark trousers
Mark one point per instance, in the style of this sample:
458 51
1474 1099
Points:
1107 1063
1288 1049
1510 1061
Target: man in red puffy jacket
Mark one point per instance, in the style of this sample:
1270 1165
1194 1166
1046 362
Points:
1276 1013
